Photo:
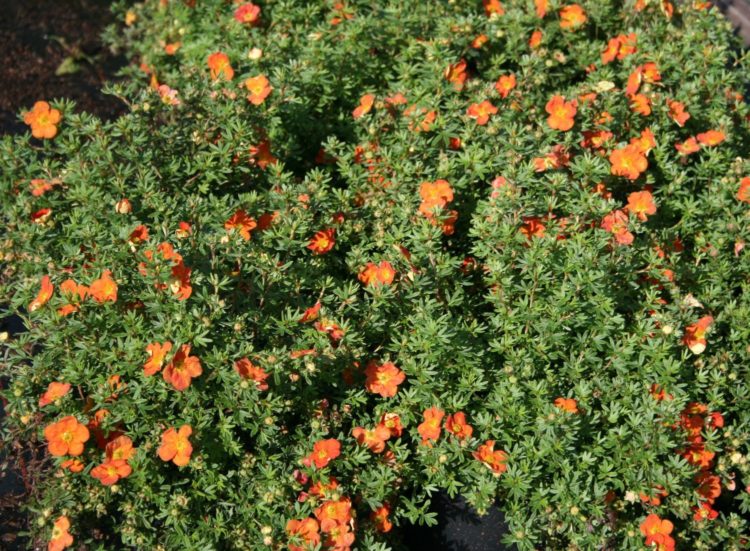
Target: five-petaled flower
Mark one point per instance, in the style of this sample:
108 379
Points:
54 392
66 437
493 459
456 425
45 293
365 105
695 334
323 241
61 538
259 89
377 274
43 120
218 64
176 446
249 371
247 14
104 289
324 451
242 223
657 532
641 203
157 353
383 378
429 428
561 113
572 17
182 369
628 161
481 112
567 404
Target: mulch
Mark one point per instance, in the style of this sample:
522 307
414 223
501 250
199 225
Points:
36 37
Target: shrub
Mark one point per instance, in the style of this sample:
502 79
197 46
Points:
339 256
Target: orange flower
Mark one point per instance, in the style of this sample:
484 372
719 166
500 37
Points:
392 422
696 454
247 370
311 314
66 437
429 429
110 472
40 186
481 112
372 438
259 88
383 379
711 138
535 40
247 14
743 193
379 517
640 104
456 425
505 84
242 223
493 7
305 531
324 451
619 47
172 47
628 161
168 95
709 486
657 531
175 446
43 120
72 465
365 105
641 203
218 63
138 235
677 112
156 355
182 369
557 158
45 293
456 74
645 142
104 289
323 241
479 41
541 7
616 223
179 283
572 17
261 155
60 538
561 113
54 392
532 227
688 147
567 404
704 512
434 194
695 334
334 512
494 459
377 274
120 449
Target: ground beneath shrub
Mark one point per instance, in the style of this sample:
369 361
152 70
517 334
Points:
39 39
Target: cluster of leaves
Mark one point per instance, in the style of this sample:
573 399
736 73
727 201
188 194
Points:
340 255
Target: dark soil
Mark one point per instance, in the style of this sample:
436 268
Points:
36 37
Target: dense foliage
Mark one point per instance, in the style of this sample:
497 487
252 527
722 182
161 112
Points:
340 255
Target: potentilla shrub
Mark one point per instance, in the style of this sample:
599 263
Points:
340 255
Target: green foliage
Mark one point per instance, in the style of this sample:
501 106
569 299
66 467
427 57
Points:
528 299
